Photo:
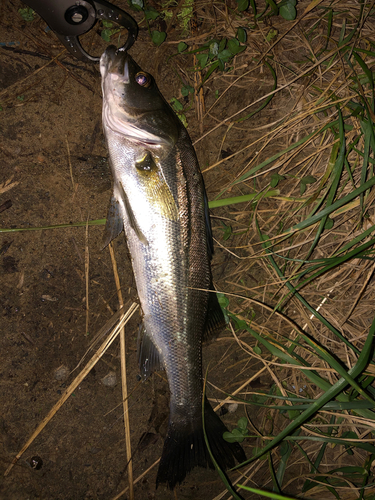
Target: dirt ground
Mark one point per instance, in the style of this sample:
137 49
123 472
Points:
51 119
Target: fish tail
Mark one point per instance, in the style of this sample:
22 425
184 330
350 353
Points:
185 448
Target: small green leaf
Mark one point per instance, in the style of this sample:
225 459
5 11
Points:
242 425
176 105
241 35
222 45
202 59
136 4
228 436
27 13
151 14
239 324
233 45
284 448
271 34
275 179
225 55
329 223
235 436
257 350
106 35
227 231
158 37
308 179
242 5
182 46
293 414
288 11
186 90
223 300
183 119
107 24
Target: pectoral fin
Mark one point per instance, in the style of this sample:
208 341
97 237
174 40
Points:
131 217
114 224
148 355
156 189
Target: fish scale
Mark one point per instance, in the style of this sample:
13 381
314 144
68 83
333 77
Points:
159 199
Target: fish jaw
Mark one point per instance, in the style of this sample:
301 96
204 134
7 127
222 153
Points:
140 113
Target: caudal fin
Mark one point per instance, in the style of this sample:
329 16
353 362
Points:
185 448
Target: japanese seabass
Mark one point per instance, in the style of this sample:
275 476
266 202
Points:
159 200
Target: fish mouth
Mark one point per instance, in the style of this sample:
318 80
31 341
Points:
116 62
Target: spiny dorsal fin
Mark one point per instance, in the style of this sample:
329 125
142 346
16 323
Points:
148 356
210 241
114 224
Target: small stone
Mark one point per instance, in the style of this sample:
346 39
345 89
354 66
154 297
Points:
110 380
232 407
62 373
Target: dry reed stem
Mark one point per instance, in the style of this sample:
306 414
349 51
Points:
69 162
87 276
123 379
67 393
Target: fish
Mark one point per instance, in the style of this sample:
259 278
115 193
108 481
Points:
160 202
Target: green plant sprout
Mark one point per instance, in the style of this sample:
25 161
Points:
108 30
27 14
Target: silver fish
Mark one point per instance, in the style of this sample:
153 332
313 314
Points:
159 199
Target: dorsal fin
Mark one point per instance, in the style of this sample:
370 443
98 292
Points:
210 241
215 320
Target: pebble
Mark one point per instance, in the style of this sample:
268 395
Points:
110 380
232 407
61 373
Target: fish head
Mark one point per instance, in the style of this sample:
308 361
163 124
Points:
132 103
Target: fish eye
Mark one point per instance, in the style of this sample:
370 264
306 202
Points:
143 79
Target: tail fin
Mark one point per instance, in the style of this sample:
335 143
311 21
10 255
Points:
185 448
